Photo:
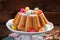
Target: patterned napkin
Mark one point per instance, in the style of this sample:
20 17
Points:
15 36
8 38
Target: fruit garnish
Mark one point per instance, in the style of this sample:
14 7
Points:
14 27
28 12
39 12
32 30
27 8
36 9
41 29
22 10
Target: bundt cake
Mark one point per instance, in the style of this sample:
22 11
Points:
30 20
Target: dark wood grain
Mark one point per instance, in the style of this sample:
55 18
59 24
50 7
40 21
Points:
4 32
53 17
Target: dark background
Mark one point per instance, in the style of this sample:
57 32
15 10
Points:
9 8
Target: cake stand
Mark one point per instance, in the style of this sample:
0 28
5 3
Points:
28 35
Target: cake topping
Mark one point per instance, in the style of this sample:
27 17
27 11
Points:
27 8
39 12
33 12
22 10
32 30
36 9
14 27
28 12
41 30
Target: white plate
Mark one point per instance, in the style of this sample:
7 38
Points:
10 22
